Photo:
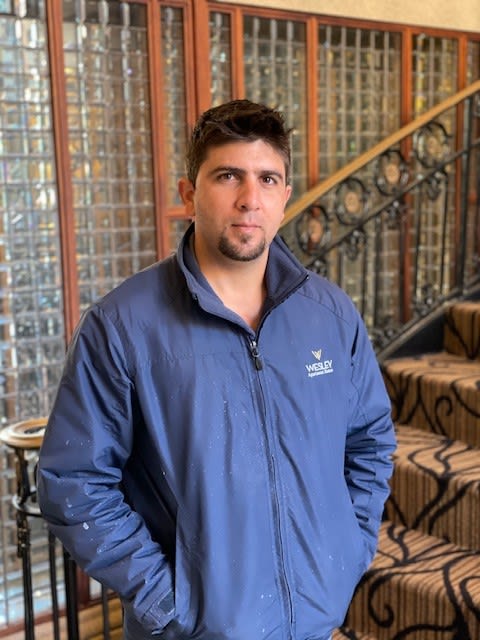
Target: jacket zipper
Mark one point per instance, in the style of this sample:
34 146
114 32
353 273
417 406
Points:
283 576
276 504
256 355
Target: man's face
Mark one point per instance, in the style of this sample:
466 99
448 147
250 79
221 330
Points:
238 201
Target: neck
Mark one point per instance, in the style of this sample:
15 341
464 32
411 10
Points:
239 285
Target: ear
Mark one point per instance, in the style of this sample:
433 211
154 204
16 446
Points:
288 192
187 192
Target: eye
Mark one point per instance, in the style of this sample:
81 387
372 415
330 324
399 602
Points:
270 180
226 176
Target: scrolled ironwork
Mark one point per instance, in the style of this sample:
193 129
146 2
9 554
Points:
397 226
427 301
391 173
431 144
435 184
394 215
354 243
313 229
351 201
384 333
320 266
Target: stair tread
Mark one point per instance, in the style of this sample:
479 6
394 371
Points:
436 486
420 586
426 549
462 329
445 457
450 459
437 392
443 364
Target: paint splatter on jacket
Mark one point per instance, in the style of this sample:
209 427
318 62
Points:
228 484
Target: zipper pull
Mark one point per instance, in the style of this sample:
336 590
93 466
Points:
256 355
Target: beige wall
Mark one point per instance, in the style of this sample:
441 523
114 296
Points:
463 15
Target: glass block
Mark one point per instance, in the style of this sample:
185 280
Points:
146 240
39 117
23 303
6 6
13 116
92 10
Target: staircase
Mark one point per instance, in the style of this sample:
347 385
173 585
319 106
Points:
424 583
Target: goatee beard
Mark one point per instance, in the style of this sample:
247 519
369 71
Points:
235 252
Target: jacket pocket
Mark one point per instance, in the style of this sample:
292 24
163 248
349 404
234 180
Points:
184 618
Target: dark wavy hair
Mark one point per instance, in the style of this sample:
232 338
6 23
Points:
237 121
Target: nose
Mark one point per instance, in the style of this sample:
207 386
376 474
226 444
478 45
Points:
248 195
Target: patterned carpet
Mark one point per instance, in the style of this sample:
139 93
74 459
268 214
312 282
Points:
424 583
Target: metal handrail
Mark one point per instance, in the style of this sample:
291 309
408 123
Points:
399 226
316 192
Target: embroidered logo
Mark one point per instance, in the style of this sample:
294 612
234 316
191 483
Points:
319 367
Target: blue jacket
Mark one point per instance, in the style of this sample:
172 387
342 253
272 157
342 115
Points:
228 484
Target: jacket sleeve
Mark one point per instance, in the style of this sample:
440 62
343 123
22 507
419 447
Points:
86 445
370 439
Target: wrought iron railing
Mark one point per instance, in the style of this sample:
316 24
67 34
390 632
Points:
399 227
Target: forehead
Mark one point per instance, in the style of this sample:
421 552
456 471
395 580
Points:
258 156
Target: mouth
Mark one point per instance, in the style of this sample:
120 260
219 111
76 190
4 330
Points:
245 225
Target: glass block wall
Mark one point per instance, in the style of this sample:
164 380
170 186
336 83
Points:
32 334
359 84
109 122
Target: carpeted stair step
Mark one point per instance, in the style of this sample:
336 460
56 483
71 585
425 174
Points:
436 487
437 392
418 587
462 330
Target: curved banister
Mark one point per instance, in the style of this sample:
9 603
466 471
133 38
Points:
397 228
310 196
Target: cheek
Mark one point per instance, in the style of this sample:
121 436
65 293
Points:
208 203
208 213
278 210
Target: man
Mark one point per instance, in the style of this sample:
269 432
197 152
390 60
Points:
219 449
